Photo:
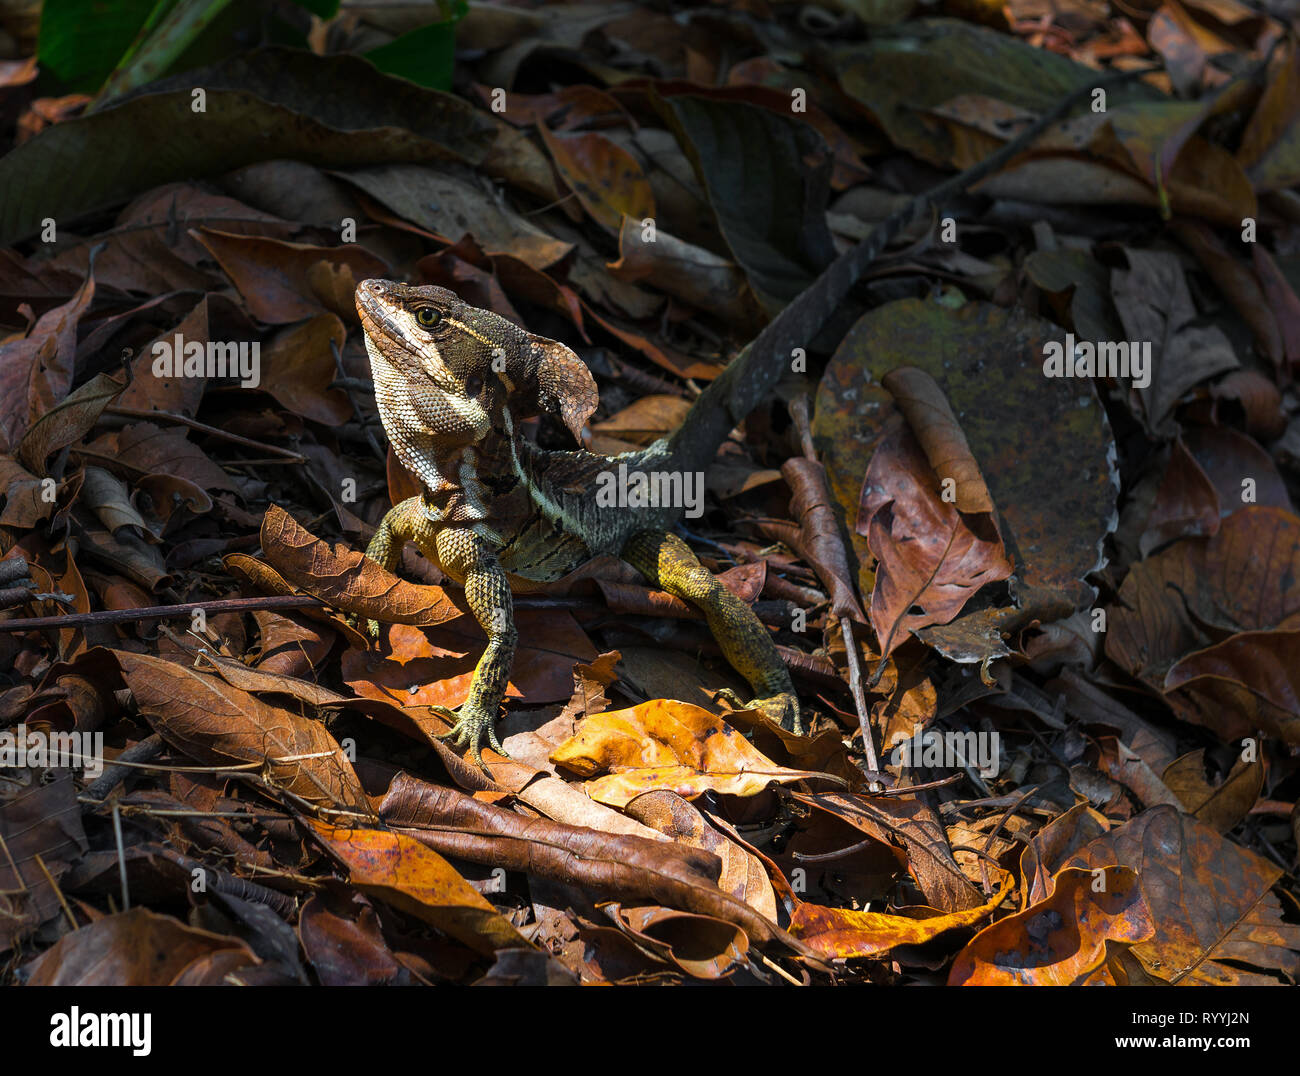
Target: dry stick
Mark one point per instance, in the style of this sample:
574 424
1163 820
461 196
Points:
57 891
121 858
256 604
147 749
202 427
799 413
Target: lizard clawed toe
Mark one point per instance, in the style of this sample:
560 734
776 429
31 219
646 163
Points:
469 728
782 708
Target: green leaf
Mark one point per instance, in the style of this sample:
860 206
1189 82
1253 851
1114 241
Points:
267 104
164 37
81 43
425 56
769 204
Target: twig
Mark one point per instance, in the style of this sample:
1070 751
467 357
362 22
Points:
202 427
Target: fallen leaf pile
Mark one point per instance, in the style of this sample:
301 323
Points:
1021 517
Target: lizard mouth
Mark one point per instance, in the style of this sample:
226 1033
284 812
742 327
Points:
378 313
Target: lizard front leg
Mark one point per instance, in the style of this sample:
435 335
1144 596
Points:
412 521
668 562
468 559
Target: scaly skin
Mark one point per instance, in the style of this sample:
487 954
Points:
452 382
497 512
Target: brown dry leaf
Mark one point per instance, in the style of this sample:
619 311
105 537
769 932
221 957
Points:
274 277
1245 578
937 431
606 864
567 107
220 725
37 820
1155 305
743 874
134 948
298 368
401 871
1220 806
25 503
915 826
1283 300
1247 682
820 542
646 419
664 744
36 370
932 558
433 666
703 946
1186 504
342 941
1209 900
349 580
1270 146
844 933
67 421
152 450
1236 282
606 178
1063 939
290 644
690 273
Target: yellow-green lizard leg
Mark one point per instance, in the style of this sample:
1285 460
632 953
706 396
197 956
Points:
668 563
409 521
467 560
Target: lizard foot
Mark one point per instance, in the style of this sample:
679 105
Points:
783 708
369 627
469 728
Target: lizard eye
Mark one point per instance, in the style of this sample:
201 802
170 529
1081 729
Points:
428 316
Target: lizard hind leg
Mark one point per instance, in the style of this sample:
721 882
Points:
668 562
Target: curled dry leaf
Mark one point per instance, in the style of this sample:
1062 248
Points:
743 874
403 872
1209 898
133 948
220 725
1066 939
348 580
940 436
702 946
605 864
932 558
844 933
820 542
663 744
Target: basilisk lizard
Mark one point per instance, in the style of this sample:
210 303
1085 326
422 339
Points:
497 513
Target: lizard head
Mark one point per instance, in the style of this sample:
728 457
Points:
472 359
